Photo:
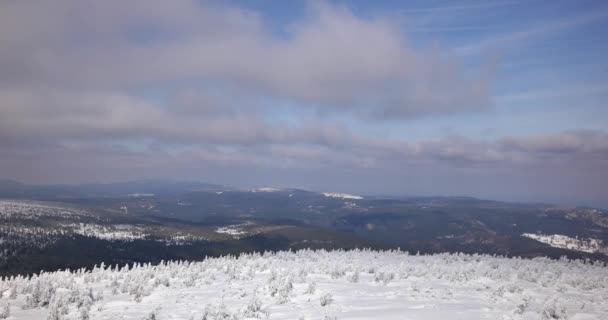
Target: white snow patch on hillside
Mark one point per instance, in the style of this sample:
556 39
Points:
113 232
265 189
319 285
231 230
342 195
32 210
181 239
564 242
141 195
350 205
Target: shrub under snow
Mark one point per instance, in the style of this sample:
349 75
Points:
317 285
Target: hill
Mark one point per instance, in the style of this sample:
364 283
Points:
56 227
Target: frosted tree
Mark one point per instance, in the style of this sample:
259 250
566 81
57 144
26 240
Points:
326 299
384 277
312 287
153 315
13 294
218 312
254 309
354 277
5 311
552 309
83 314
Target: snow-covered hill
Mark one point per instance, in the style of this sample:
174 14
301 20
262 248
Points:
318 285
561 241
34 210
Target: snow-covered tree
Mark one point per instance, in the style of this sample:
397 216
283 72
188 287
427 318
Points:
326 299
5 310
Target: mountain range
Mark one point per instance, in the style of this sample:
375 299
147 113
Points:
52 227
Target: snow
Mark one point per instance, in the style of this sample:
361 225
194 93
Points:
353 206
33 210
342 195
180 239
349 204
141 195
111 233
564 242
126 232
319 285
231 230
265 189
18 228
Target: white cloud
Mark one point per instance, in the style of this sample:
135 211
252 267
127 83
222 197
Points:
331 58
72 107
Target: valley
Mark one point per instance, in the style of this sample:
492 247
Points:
64 228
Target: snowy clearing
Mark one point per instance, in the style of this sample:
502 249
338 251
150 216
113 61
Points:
341 195
319 285
33 210
231 230
266 189
112 232
565 242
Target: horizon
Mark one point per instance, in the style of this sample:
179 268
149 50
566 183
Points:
282 187
500 100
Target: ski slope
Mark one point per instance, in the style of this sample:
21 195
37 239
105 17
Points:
318 285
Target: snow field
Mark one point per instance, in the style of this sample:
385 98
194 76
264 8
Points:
342 195
33 210
309 284
564 242
113 232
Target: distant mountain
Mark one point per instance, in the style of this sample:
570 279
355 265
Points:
10 188
7 183
149 187
152 220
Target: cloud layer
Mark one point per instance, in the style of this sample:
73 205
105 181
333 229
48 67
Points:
130 89
330 58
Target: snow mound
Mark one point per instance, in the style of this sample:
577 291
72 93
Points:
307 284
342 195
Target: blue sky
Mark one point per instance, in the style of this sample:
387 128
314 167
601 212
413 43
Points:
549 59
495 99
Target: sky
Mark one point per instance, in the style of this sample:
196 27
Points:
494 99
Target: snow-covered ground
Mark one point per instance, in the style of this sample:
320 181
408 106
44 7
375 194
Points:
127 232
342 195
141 195
319 285
234 231
122 232
266 189
180 239
565 242
33 210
